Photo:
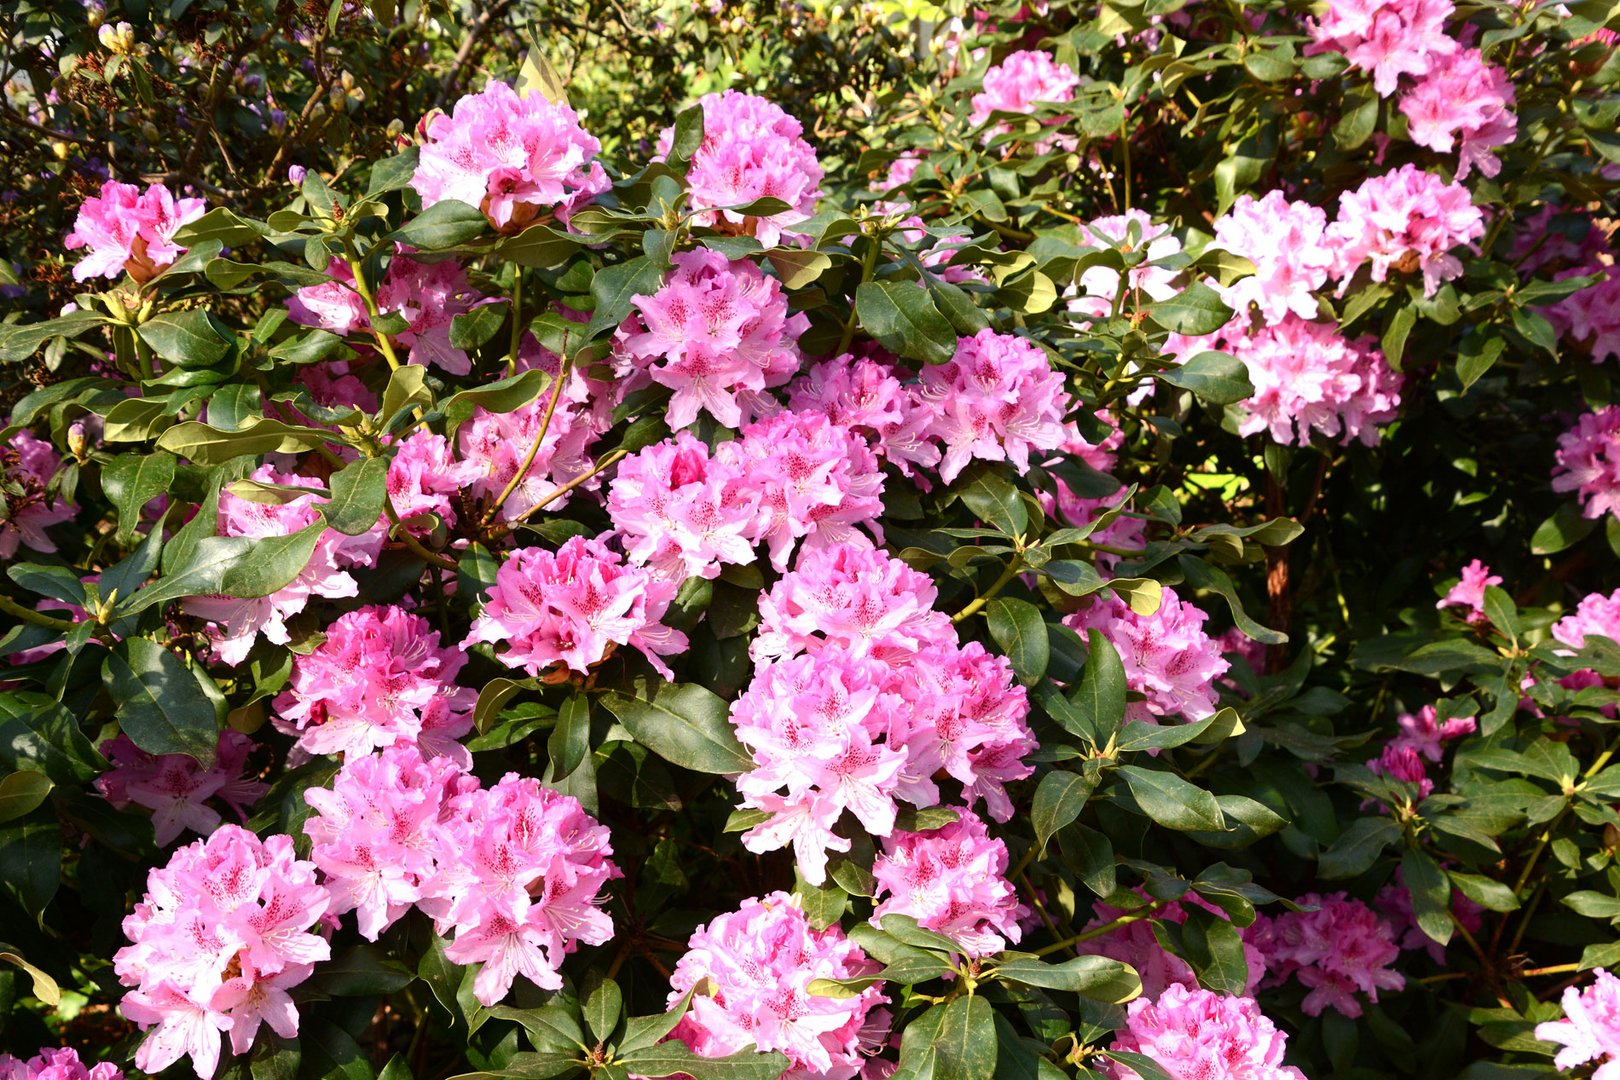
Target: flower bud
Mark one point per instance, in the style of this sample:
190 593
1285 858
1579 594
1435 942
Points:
118 39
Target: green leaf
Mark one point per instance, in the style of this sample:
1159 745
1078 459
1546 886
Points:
130 481
551 1028
210 446
994 500
1096 977
358 492
21 793
445 224
407 388
1487 893
1431 894
1099 700
1172 801
1396 333
56 582
673 1058
471 329
1215 377
1201 575
1144 1067
161 706
571 739
1196 310
1214 948
1357 848
1502 612
1058 801
1019 630
226 226
31 862
1223 724
189 339
1566 528
1476 355
361 971
796 267
902 317
682 723
905 930
44 986
603 1009
615 286
641 1032
327 1052
966 1044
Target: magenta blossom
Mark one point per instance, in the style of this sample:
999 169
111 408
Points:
130 229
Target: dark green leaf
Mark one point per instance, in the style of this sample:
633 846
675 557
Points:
1017 627
358 492
1171 801
1431 894
571 739
1198 309
615 286
674 1058
161 706
902 317
1058 801
130 481
190 339
445 224
682 723
1357 848
1096 977
1215 377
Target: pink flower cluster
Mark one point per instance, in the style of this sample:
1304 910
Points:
995 400
1388 38
512 157
1591 316
1469 592
1395 902
751 150
1292 254
1405 220
952 880
683 512
61 1064
1423 733
1017 84
718 334
868 395
240 621
1168 657
1595 614
1308 378
130 229
176 788
1195 1034
224 931
1337 950
1588 462
755 965
1590 1029
861 697
1099 285
425 478
514 870
573 607
1403 764
427 295
379 679
1465 103
27 466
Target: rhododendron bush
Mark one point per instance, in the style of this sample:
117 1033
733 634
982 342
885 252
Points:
1089 553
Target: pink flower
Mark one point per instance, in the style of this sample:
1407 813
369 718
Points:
995 400
1463 102
1017 84
1136 944
866 394
27 466
1287 242
1405 220
130 229
1099 285
1336 950
1590 1030
62 1064
814 480
1422 732
1395 902
572 607
427 295
751 150
1197 1034
952 880
240 621
519 877
1388 38
756 964
1403 763
425 478
1469 592
373 832
1588 462
1591 316
1309 379
495 445
370 683
512 157
1168 657
718 334
177 789
223 931
1595 614
682 512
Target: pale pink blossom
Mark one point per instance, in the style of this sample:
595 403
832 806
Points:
997 399
27 466
1588 462
1387 38
1423 733
1405 220
1098 286
425 478
718 334
573 607
681 511
1469 592
1308 379
1287 242
1596 614
756 965
952 880
1136 944
126 228
176 789
56 1064
1168 658
512 157
751 150
1195 1034
1463 102
1022 80
1590 1029
866 394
